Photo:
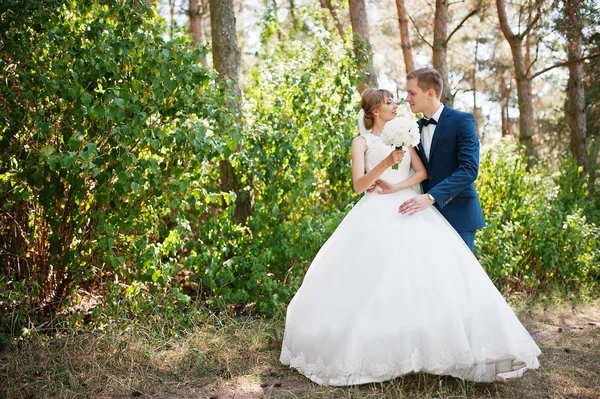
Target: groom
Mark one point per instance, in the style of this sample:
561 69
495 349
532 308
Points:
449 148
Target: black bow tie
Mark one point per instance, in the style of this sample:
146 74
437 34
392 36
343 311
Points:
426 122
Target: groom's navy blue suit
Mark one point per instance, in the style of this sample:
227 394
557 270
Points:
452 168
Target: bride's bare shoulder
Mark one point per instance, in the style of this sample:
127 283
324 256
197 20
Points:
358 140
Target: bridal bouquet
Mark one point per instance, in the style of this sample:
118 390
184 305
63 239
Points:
400 132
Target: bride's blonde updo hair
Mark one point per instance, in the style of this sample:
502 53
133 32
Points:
370 102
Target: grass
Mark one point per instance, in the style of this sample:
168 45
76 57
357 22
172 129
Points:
222 356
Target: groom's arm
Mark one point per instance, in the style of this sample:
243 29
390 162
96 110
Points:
468 164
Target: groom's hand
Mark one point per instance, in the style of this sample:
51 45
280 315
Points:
415 204
386 188
372 188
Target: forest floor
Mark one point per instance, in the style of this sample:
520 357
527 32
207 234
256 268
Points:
237 357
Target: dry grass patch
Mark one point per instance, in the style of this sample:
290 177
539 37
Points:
237 357
139 360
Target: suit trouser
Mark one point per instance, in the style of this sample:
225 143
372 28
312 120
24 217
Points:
469 238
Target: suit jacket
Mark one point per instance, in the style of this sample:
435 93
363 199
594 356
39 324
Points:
452 168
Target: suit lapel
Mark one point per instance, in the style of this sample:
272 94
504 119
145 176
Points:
439 128
420 145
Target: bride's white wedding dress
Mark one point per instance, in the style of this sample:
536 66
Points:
390 294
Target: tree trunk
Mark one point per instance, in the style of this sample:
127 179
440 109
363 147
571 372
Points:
503 113
575 106
227 62
229 182
225 47
196 14
409 64
293 16
593 158
204 8
515 42
276 15
172 19
329 5
325 19
440 63
362 45
525 111
528 63
506 90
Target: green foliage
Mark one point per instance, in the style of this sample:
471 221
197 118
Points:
110 181
300 109
107 129
110 175
538 235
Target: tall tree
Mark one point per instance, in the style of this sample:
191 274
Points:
197 10
523 87
362 45
171 19
528 64
227 62
592 99
409 64
330 5
441 38
225 46
440 44
440 59
293 15
522 74
505 90
275 7
575 105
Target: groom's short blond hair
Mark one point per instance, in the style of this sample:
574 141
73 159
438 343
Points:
427 78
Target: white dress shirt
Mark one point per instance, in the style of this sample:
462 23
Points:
429 130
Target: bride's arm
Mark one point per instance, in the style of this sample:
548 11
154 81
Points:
360 180
419 175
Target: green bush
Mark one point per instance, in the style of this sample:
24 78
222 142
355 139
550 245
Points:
107 129
301 116
538 235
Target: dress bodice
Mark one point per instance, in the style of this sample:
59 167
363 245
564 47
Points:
377 151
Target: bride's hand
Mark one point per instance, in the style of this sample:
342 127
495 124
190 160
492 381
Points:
372 188
395 157
386 188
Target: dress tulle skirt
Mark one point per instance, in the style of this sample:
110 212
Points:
390 294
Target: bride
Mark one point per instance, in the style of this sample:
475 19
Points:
390 294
